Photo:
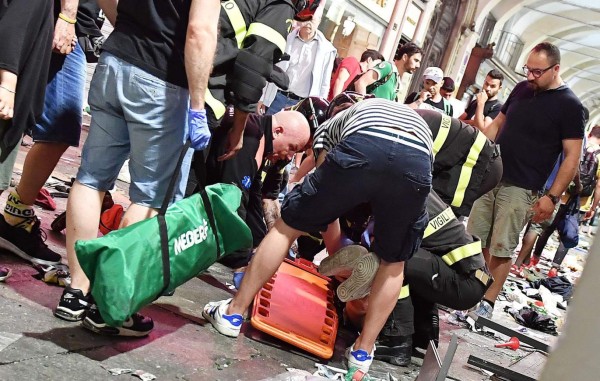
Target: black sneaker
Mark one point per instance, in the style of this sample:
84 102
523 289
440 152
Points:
72 305
396 350
29 246
4 273
136 326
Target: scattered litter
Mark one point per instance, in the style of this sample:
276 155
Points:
119 371
144 376
54 274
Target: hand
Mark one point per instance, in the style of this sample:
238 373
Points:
198 129
542 209
64 37
235 140
424 95
482 97
7 103
260 108
589 214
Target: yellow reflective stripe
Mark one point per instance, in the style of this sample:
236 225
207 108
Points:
268 33
438 222
236 19
442 134
462 252
216 106
467 169
404 292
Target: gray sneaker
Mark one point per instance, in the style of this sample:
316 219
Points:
343 261
484 309
358 285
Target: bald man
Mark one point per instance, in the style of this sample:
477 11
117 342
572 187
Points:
269 144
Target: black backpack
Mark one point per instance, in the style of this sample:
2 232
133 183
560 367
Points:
588 167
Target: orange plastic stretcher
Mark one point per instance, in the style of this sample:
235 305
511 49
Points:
296 306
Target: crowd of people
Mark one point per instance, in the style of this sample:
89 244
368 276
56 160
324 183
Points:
257 97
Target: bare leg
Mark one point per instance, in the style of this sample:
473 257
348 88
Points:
384 295
39 164
499 267
83 216
527 246
269 256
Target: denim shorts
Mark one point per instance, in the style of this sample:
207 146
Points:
138 116
392 177
63 102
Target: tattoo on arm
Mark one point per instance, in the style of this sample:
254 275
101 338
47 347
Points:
271 210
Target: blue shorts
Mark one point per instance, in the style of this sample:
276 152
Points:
138 116
392 177
63 102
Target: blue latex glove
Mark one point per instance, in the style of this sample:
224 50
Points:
198 129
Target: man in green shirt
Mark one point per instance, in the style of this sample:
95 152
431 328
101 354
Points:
382 80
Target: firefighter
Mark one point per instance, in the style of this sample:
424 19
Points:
252 39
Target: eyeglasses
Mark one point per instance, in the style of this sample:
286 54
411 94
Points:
536 72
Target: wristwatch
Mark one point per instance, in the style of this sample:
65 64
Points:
553 198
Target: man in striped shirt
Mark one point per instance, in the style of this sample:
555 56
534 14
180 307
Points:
377 152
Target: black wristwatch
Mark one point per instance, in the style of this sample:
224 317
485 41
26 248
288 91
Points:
555 199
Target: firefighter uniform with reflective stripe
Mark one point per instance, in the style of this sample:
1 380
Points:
465 161
448 269
251 40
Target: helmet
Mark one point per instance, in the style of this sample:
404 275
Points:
305 9
349 97
314 109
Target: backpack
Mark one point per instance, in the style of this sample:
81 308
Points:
588 167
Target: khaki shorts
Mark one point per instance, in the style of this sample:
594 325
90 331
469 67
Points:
498 217
538 228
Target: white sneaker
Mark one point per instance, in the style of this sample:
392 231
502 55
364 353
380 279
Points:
228 325
358 285
359 358
343 261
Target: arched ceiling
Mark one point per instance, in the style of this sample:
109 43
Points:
572 25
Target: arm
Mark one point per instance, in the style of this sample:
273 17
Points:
200 46
109 7
543 208
306 166
480 120
596 200
491 131
423 96
272 212
463 117
338 86
64 31
365 80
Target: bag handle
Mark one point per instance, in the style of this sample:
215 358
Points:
162 223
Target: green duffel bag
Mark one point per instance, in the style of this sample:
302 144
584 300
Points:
131 267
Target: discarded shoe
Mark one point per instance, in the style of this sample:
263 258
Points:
5 272
136 326
228 325
359 358
237 279
553 272
72 305
58 275
111 219
27 241
358 285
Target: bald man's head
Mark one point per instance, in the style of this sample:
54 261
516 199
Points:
291 133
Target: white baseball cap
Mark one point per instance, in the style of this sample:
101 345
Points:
434 73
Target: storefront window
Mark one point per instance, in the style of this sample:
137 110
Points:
353 26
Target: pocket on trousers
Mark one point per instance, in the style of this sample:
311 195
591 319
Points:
421 184
347 157
414 235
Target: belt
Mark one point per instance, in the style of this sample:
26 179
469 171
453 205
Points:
483 277
290 95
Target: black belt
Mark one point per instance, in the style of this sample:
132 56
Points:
291 95
483 277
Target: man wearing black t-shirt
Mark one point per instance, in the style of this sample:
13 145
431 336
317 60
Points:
146 94
541 118
486 106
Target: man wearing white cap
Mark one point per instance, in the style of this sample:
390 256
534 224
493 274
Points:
430 97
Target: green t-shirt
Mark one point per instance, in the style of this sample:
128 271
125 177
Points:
388 89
